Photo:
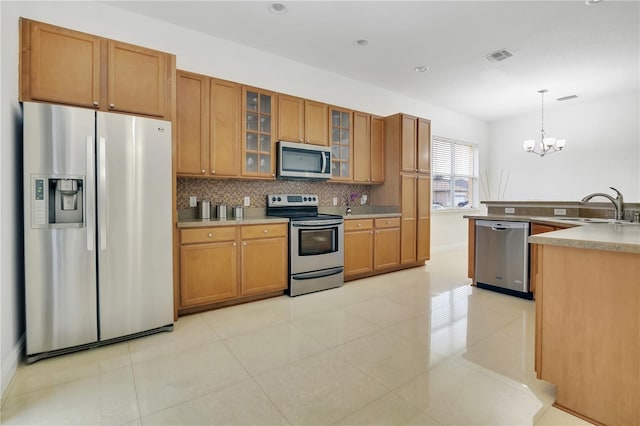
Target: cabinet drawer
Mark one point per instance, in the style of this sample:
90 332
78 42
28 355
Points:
358 225
388 222
263 231
207 235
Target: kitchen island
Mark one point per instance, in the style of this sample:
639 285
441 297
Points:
588 319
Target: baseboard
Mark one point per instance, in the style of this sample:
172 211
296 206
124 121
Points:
10 365
448 247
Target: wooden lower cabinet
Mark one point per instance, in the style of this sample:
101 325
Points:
358 247
208 265
264 255
370 246
226 263
387 243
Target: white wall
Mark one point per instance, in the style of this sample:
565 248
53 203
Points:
603 150
198 53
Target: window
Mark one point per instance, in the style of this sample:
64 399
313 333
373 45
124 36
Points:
454 172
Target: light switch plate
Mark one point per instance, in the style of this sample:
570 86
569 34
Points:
193 201
335 201
559 212
509 210
247 201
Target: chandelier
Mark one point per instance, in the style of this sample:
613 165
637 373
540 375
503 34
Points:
547 144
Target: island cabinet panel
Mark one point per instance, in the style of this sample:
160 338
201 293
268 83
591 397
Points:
587 331
63 66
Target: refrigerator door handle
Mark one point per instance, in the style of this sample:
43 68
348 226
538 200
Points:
102 192
90 214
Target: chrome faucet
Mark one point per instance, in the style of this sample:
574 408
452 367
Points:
618 202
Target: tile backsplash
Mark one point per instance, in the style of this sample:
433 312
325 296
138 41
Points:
232 192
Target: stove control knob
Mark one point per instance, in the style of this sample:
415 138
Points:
279 198
273 199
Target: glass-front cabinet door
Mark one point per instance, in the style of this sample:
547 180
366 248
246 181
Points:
258 133
341 143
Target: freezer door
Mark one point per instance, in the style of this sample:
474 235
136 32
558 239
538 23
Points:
135 264
60 258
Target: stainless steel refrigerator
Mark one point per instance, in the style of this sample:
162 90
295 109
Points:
97 228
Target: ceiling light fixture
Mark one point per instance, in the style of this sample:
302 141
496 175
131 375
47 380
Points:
361 43
547 145
421 68
590 2
278 8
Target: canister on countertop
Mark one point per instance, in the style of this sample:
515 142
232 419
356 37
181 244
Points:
222 211
238 212
204 209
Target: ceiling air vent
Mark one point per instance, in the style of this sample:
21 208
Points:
498 55
566 98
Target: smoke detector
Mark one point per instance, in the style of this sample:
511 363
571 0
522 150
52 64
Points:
498 55
278 8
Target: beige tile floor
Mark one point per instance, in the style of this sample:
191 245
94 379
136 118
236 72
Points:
416 347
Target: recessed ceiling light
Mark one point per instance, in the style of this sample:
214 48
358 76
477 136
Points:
590 2
278 8
361 43
421 68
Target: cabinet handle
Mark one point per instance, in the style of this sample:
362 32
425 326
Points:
95 103
388 222
377 232
307 141
264 231
203 171
371 232
112 106
213 172
300 140
234 244
359 224
244 243
273 175
210 235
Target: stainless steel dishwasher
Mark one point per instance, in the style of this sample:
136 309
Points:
502 257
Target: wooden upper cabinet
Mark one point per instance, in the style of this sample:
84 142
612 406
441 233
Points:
192 124
301 120
258 138
408 143
424 145
361 147
137 79
224 128
377 150
70 67
59 65
315 123
290 118
341 130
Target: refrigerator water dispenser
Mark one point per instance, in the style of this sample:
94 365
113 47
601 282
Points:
57 202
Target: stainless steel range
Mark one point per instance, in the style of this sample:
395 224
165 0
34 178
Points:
316 243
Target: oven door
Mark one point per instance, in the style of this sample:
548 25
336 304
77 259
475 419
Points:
316 245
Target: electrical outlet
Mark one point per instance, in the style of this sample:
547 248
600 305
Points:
559 212
247 201
509 210
193 201
335 201
363 200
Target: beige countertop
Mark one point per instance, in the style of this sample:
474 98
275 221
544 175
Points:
623 237
254 220
259 220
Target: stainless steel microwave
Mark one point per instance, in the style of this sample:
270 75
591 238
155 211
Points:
302 161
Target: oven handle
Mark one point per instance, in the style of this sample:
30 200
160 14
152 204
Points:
317 274
318 223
